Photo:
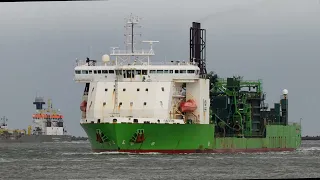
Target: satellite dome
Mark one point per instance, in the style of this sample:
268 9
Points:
105 58
285 92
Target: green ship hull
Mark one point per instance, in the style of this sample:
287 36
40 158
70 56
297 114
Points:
187 138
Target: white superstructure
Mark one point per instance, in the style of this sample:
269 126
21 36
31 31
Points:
129 88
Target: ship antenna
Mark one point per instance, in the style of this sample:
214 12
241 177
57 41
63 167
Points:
131 23
89 51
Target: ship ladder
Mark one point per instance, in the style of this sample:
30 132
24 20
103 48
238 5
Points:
101 137
177 111
138 136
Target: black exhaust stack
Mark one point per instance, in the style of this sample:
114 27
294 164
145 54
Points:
198 47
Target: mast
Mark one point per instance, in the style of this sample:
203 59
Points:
129 54
131 23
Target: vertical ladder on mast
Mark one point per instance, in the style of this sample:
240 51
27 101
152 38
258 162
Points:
115 110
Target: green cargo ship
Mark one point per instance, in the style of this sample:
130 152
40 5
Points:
132 105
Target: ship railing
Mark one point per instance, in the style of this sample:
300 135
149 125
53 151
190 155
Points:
281 123
294 123
179 94
224 80
112 63
171 63
143 52
85 63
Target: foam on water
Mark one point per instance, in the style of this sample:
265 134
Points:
77 161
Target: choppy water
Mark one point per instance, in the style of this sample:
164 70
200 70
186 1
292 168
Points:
76 161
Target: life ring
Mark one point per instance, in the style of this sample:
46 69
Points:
83 106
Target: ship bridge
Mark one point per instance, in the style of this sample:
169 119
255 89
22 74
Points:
184 71
129 88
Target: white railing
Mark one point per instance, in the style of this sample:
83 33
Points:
112 63
142 52
172 63
98 63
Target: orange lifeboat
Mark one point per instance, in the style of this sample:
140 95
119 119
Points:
83 106
188 106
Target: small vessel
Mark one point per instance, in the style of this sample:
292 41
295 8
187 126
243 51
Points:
48 126
131 104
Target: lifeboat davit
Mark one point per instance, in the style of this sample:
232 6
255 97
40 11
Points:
188 106
83 106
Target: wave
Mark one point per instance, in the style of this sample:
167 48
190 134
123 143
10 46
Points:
67 142
2 160
309 149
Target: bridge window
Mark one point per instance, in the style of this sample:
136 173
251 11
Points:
166 71
78 72
104 71
144 72
171 71
128 74
160 71
111 71
84 72
90 71
152 71
183 71
138 72
99 71
176 71
95 71
191 71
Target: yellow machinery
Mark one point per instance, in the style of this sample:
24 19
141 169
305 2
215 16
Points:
29 130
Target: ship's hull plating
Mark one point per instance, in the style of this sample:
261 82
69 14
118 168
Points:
187 138
37 139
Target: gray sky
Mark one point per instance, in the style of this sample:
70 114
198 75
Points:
277 41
